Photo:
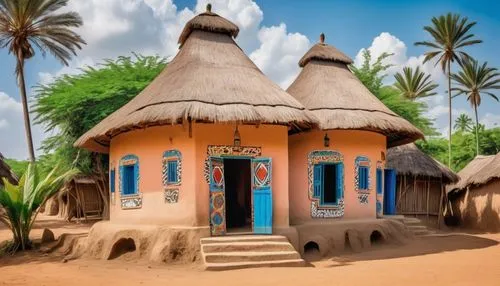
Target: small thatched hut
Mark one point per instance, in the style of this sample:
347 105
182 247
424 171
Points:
80 198
475 199
6 172
347 154
421 181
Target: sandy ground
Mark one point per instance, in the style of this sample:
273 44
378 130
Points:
451 259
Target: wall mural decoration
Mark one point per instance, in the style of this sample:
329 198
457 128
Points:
130 200
171 175
317 210
171 196
228 150
363 194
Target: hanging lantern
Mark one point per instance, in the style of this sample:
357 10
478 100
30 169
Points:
326 140
237 137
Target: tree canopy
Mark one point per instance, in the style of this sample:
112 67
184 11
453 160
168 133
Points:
73 104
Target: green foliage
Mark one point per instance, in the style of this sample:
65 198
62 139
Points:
463 123
463 144
17 166
372 75
414 84
74 104
22 202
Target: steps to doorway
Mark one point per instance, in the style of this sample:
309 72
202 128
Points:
247 251
417 227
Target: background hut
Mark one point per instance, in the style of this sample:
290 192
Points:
421 182
80 198
6 172
475 199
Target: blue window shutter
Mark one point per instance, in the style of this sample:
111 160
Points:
112 181
172 171
360 178
135 179
340 181
318 180
379 181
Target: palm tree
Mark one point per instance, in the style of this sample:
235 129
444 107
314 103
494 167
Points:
463 123
414 84
25 24
450 33
474 80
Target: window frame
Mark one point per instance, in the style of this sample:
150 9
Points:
339 194
169 157
129 161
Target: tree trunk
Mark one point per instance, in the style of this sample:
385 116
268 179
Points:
477 130
450 117
27 125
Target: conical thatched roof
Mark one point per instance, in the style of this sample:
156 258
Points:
409 160
339 100
479 171
210 80
6 172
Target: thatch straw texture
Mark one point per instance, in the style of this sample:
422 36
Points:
324 52
479 171
409 160
210 79
340 101
209 22
6 172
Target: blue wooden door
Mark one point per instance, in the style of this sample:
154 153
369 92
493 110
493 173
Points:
262 196
217 197
390 192
380 192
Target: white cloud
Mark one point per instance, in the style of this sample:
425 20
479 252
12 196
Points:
13 142
388 43
490 120
279 53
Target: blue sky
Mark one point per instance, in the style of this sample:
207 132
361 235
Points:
274 34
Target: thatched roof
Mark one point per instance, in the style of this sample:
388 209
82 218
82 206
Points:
478 172
6 172
210 80
339 100
409 160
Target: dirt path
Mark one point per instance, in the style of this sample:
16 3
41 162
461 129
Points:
448 260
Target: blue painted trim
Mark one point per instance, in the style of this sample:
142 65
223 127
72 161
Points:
136 174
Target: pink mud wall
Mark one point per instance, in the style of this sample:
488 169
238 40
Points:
273 140
350 143
148 145
192 208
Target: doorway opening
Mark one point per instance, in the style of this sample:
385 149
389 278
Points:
238 189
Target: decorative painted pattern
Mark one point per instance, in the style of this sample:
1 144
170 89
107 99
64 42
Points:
171 155
317 157
228 150
362 194
131 202
217 197
171 196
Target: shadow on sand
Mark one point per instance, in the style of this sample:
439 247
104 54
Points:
417 247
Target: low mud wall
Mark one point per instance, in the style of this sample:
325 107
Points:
357 235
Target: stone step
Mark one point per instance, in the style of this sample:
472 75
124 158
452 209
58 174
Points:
423 232
254 264
416 227
243 238
412 221
255 246
249 256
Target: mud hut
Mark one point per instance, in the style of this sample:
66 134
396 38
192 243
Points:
475 198
420 183
355 130
6 172
205 145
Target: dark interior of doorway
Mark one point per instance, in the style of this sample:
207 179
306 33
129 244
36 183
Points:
238 190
